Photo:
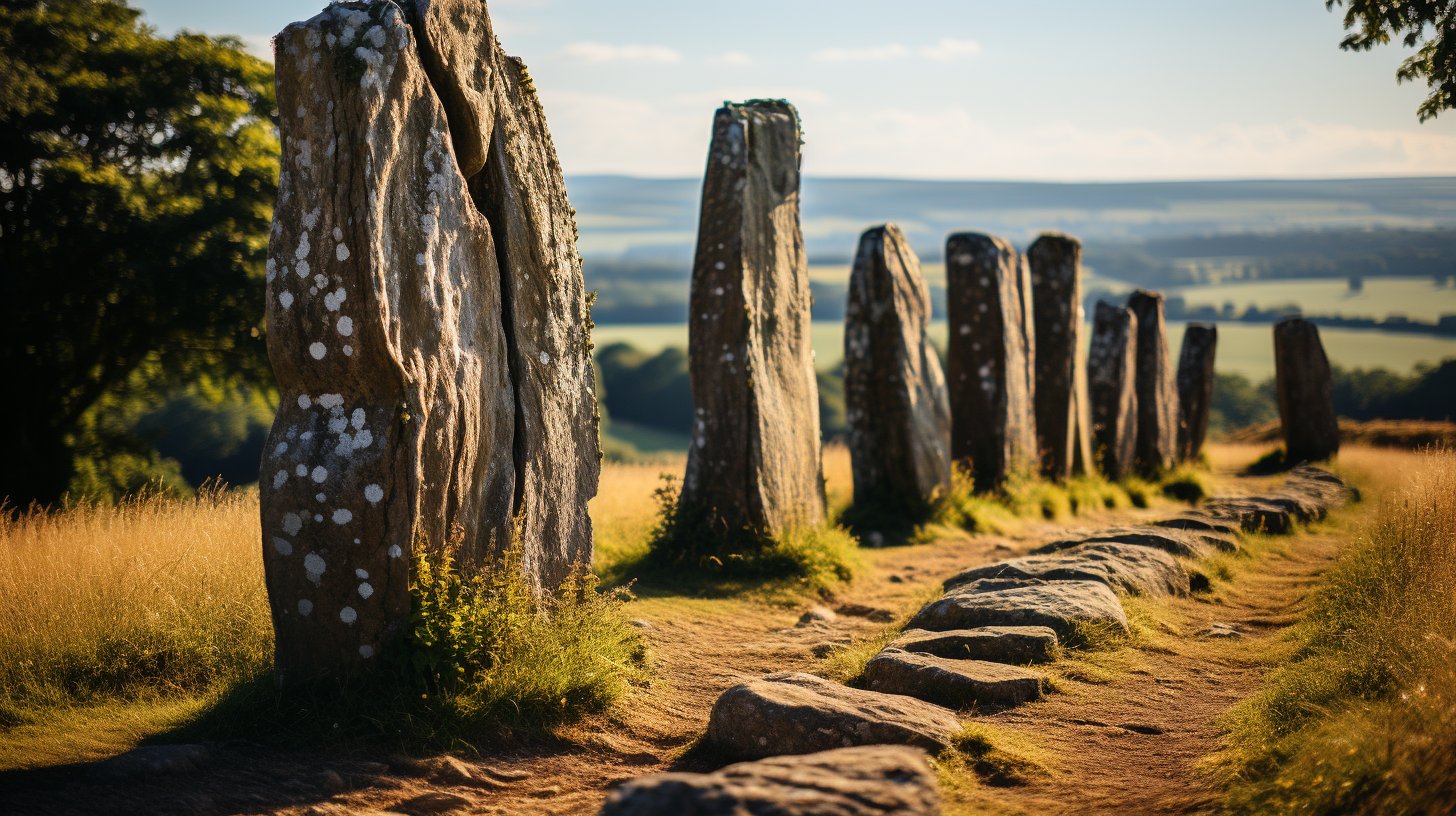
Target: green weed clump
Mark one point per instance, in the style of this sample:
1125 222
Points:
1360 718
689 543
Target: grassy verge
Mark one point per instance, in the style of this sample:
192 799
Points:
126 622
1361 716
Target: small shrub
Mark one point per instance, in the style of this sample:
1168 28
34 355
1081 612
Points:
1184 484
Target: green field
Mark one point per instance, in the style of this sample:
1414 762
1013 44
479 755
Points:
1416 298
1244 348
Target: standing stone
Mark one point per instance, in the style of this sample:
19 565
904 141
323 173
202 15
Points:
1195 387
754 461
399 382
992 423
1061 430
1306 392
894 392
1112 388
1157 396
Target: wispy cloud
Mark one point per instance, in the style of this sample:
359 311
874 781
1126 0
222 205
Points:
947 50
605 52
733 58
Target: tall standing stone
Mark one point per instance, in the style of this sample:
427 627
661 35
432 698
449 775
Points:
989 360
1157 395
400 381
1306 392
895 397
1112 388
1056 285
1195 387
754 460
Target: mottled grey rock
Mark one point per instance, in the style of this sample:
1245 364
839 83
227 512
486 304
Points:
1325 487
1253 515
1195 387
754 461
1306 392
397 413
1128 568
1112 389
998 644
1201 522
895 398
1058 605
1187 543
795 713
952 683
154 760
1157 393
1062 420
861 781
989 360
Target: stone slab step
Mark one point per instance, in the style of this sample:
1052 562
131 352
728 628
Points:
1017 645
1058 605
863 781
1187 543
796 713
952 683
1129 568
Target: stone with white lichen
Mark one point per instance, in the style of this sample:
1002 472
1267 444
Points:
403 388
1112 389
1157 392
895 398
1063 423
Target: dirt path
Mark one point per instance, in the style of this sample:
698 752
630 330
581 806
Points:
1123 738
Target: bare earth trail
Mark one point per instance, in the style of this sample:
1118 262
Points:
1120 741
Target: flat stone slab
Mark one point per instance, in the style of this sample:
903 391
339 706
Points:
1202 523
1253 515
861 781
1176 542
952 683
797 713
998 644
1129 568
1058 605
1322 485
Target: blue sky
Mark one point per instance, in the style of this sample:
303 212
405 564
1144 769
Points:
1060 90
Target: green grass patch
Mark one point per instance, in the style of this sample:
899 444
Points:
691 551
1357 718
985 754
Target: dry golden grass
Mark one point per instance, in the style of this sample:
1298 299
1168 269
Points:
625 508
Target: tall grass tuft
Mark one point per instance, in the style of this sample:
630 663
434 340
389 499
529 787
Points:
1360 719
152 596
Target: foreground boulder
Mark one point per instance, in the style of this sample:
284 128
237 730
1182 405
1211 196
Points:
1157 392
754 461
895 398
1057 605
1195 387
795 713
1127 568
990 362
1062 419
1306 392
432 390
952 683
872 780
1112 389
1017 645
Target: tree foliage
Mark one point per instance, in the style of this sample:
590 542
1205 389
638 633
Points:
137 177
1435 60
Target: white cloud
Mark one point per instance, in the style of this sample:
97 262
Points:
949 50
873 53
605 52
733 58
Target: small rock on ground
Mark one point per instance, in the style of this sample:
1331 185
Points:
861 781
796 713
952 683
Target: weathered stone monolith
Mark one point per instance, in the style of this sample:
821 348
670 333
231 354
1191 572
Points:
1306 392
1112 388
895 398
398 335
989 362
1195 387
754 461
1056 297
1157 395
